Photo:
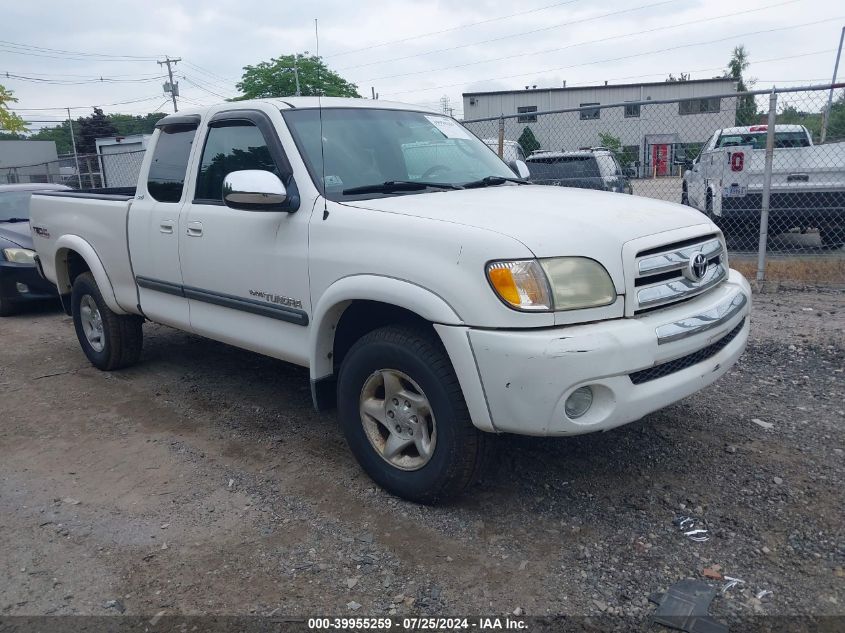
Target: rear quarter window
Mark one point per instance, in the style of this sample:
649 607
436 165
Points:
169 164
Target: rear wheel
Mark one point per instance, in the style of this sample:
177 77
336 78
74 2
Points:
109 340
404 416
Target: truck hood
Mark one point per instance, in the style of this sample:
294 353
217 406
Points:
550 221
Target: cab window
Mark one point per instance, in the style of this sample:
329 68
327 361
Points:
169 164
231 146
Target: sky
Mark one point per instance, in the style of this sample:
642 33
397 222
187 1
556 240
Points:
55 55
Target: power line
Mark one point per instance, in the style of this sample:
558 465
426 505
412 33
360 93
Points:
35 50
86 107
627 56
506 37
226 80
585 43
451 29
76 82
211 92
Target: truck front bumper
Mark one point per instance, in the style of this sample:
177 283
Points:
633 366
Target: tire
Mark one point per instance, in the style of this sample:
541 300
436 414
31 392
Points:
460 451
117 342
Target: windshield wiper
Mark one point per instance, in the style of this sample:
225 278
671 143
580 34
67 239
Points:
399 185
492 181
15 220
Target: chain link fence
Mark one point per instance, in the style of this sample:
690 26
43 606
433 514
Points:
85 171
768 167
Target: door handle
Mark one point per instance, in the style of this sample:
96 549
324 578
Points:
166 226
194 229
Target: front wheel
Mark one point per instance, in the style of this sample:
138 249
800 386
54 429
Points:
109 340
404 415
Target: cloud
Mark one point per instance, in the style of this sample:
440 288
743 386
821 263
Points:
463 46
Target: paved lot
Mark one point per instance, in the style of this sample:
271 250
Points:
201 481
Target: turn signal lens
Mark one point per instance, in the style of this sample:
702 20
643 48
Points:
521 284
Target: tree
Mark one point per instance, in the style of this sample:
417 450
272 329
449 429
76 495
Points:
91 128
276 78
129 124
59 134
611 142
746 107
681 77
9 121
528 141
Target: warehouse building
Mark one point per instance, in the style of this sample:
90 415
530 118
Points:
653 136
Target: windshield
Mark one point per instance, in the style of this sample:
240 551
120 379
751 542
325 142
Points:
366 146
758 140
14 204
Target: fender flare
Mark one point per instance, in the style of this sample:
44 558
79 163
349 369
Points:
87 252
368 287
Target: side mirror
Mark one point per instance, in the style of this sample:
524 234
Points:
519 168
254 190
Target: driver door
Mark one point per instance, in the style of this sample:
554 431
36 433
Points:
246 272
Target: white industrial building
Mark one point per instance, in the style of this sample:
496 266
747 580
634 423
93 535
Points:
652 134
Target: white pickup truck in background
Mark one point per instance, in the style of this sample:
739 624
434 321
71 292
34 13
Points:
434 297
808 182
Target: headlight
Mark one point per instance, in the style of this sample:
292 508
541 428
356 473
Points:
578 282
560 283
19 255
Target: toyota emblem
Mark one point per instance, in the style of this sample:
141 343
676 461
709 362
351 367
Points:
697 266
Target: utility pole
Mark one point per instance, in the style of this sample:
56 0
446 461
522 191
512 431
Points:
296 74
826 114
75 156
174 87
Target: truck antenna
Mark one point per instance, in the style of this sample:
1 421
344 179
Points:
320 111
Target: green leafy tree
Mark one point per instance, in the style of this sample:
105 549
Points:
90 129
528 141
613 143
276 78
129 124
59 134
746 107
9 121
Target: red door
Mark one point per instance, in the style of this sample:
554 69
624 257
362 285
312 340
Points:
660 159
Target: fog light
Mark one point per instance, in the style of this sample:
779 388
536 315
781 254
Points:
579 402
22 288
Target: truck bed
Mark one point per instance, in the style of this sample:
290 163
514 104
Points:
90 222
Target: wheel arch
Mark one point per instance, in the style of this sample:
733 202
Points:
75 256
369 296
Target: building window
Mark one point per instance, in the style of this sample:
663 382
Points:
590 113
632 110
699 106
528 118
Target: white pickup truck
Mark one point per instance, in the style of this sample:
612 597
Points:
435 298
808 182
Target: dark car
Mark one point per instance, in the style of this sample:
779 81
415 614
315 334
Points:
19 278
585 169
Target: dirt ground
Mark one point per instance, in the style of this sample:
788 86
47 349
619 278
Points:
201 481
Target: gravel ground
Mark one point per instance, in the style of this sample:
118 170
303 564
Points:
201 481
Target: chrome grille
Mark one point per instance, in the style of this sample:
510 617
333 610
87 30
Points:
664 274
